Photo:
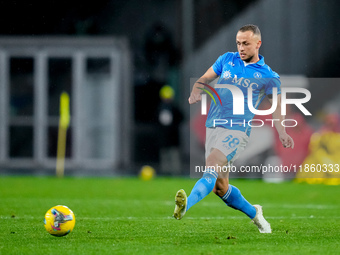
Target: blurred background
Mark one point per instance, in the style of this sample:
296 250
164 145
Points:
126 66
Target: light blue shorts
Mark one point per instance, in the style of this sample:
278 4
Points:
230 142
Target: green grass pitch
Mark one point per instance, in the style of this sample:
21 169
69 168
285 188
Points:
130 216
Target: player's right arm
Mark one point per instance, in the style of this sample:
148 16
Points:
208 77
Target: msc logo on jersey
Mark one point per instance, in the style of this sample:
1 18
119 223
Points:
244 82
257 75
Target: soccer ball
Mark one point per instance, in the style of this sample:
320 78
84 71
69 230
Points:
59 220
147 173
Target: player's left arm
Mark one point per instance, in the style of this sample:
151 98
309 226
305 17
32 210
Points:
285 139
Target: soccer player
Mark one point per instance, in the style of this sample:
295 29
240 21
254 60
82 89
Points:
225 141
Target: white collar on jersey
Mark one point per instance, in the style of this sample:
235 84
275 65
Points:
245 63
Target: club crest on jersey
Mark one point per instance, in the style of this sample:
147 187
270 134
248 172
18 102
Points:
257 75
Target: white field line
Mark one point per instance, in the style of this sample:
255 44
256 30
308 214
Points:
135 202
127 218
287 206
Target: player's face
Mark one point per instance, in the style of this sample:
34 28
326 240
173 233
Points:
248 46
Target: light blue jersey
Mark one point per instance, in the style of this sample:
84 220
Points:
233 71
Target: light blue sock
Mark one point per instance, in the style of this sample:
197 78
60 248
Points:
234 199
202 188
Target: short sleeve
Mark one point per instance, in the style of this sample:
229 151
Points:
218 65
273 82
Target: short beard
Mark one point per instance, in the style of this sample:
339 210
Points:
248 59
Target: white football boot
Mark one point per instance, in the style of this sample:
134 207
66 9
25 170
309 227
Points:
181 204
260 221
